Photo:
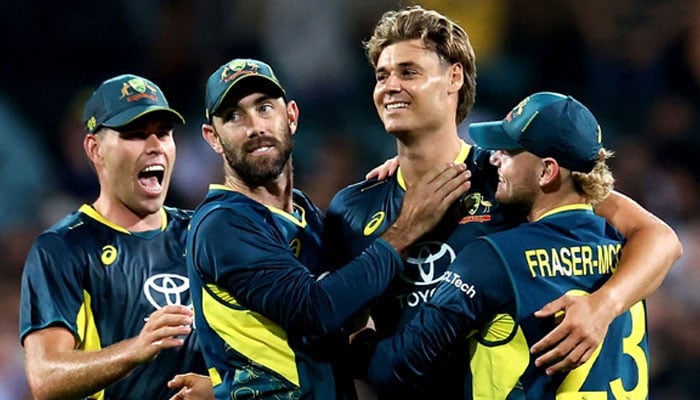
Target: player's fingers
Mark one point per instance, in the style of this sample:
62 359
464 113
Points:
385 170
451 182
168 343
181 395
551 340
176 382
567 363
585 356
160 319
552 307
553 353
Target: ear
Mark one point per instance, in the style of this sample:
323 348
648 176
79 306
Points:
550 173
209 134
456 77
91 145
293 115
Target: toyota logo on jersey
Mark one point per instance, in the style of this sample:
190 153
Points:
166 289
426 263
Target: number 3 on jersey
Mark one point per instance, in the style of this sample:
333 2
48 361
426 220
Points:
631 347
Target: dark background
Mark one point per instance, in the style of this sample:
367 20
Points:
634 63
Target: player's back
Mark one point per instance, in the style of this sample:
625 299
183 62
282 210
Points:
572 251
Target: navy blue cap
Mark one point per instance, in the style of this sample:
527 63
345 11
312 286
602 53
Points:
122 99
546 124
224 79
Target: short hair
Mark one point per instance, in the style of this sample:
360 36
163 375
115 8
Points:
438 33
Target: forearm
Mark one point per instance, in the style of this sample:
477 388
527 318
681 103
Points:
651 249
77 373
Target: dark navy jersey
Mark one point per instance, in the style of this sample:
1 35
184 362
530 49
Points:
264 312
102 282
489 303
361 212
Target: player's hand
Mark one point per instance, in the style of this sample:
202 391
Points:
385 170
163 330
425 203
583 327
192 387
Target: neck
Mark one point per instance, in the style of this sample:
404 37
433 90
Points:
549 202
275 193
419 154
119 214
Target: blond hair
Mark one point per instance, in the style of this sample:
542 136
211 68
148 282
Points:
439 34
597 184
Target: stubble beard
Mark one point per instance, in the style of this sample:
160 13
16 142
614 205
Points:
256 171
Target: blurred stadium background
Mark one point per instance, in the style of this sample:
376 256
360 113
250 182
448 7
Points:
635 63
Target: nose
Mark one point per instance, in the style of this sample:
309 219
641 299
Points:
255 125
392 83
153 142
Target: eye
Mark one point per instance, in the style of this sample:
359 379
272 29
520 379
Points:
232 116
161 133
133 134
267 107
381 76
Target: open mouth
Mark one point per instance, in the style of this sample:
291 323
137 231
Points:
151 178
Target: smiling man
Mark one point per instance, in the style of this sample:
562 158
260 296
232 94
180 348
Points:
105 295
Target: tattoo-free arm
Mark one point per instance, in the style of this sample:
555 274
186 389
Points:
57 370
651 248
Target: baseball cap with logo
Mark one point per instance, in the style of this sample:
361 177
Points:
122 99
221 83
546 124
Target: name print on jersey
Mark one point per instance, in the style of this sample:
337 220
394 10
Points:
573 261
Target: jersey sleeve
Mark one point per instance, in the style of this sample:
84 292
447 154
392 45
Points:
51 292
472 290
334 240
258 269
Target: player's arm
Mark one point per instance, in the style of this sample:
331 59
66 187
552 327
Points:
651 248
57 370
449 316
261 273
192 387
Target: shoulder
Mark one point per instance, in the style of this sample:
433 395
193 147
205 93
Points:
178 213
361 193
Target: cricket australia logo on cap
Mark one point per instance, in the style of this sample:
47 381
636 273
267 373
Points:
237 68
517 110
136 89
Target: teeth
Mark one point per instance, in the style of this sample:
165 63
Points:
394 106
261 149
154 168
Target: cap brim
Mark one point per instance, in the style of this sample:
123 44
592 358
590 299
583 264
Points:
491 135
247 84
133 113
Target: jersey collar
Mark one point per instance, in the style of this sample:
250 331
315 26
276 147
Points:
461 157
